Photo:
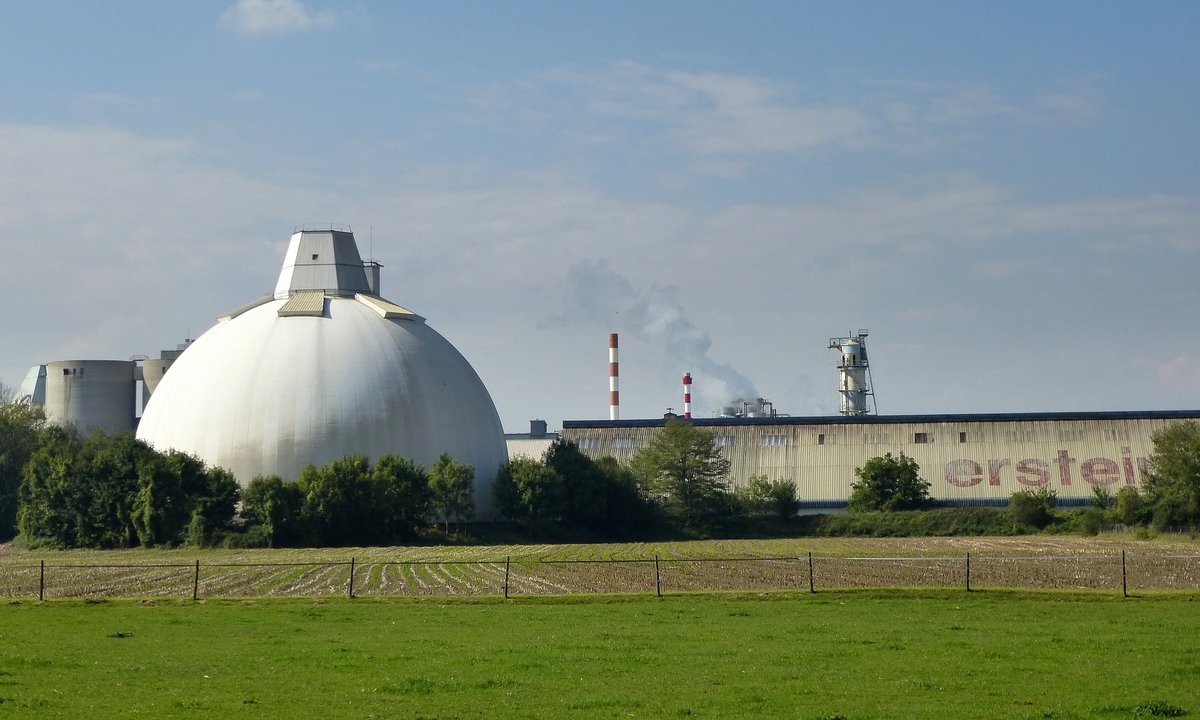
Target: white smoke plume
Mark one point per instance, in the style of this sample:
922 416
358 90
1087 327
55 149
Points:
654 315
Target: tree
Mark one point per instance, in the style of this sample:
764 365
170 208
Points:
889 483
1131 507
403 499
583 495
338 506
1032 508
47 509
20 425
1172 481
160 511
529 491
274 506
683 466
451 484
770 497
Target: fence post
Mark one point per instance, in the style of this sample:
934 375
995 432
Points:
42 583
196 582
812 588
968 572
350 585
1124 579
657 578
507 559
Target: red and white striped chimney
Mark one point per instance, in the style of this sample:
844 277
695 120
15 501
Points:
614 395
687 396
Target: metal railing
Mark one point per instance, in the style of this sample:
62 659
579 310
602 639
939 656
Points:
508 577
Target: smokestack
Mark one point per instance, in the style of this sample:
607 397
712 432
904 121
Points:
687 396
614 396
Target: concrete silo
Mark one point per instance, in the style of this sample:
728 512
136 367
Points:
91 394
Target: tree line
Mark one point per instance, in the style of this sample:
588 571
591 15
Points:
60 489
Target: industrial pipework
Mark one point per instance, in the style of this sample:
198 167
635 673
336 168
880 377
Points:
857 397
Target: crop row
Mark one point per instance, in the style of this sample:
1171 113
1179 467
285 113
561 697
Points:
557 577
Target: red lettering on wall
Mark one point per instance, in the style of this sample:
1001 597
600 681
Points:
1035 472
963 473
1033 467
994 470
1064 467
1100 471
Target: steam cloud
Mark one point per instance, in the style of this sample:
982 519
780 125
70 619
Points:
655 316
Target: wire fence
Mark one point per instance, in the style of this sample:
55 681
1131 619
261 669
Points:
507 577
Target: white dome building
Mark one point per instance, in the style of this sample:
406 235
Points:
322 369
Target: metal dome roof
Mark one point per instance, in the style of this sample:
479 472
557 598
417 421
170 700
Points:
320 371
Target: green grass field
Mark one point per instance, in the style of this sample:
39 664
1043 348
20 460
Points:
851 654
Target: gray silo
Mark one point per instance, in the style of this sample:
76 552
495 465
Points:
91 394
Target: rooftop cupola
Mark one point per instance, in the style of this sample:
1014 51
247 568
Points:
322 260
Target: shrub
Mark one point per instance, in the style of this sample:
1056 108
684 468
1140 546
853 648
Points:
889 483
1032 508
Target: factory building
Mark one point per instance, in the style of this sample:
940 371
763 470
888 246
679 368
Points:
973 459
969 459
531 445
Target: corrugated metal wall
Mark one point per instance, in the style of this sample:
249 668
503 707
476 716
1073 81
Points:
967 461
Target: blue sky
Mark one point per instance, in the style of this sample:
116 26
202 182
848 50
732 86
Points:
1006 195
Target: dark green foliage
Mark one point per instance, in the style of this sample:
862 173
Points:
48 507
1172 482
1102 499
683 469
1032 509
774 498
114 491
1131 506
402 497
569 495
451 485
889 483
338 504
213 504
600 496
941 522
271 509
20 425
529 492
585 491
160 511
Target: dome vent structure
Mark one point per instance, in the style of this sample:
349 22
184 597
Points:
321 369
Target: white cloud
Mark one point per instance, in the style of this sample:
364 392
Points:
129 243
1181 374
273 17
707 114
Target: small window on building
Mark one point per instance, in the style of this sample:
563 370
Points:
774 440
725 441
962 437
920 438
821 439
314 256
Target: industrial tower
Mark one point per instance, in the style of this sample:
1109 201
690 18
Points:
855 382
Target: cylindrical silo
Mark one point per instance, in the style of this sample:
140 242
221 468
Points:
91 394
